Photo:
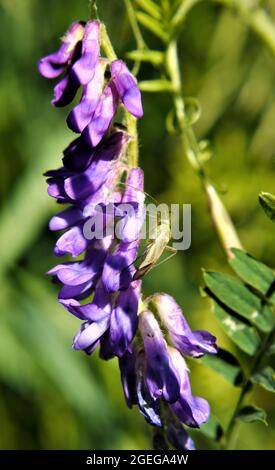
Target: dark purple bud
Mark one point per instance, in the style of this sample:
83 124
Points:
84 68
54 64
64 91
127 365
179 438
191 343
103 115
77 156
127 88
162 379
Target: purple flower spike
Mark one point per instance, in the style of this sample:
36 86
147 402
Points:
127 88
191 343
190 410
103 115
162 379
84 68
124 320
82 113
54 64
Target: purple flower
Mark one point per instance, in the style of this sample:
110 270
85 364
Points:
124 319
127 88
82 113
81 185
162 379
83 69
102 116
119 270
54 64
64 92
191 343
77 155
190 410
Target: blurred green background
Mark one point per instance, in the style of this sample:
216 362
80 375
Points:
50 396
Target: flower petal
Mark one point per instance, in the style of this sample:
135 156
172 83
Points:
124 320
102 117
84 68
127 88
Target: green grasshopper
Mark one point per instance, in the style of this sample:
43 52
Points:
157 244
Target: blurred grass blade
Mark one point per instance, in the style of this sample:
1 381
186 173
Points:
265 378
244 336
267 202
238 298
150 7
253 272
225 364
251 413
154 57
155 86
152 25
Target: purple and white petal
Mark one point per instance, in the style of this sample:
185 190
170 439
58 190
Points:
191 343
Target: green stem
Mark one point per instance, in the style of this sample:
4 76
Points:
130 120
93 9
189 141
141 45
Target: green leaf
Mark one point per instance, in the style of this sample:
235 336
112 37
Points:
154 57
150 7
212 428
251 413
267 202
156 85
152 25
225 364
233 294
253 272
265 378
244 336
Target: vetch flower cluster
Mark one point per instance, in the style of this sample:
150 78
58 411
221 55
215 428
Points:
100 288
